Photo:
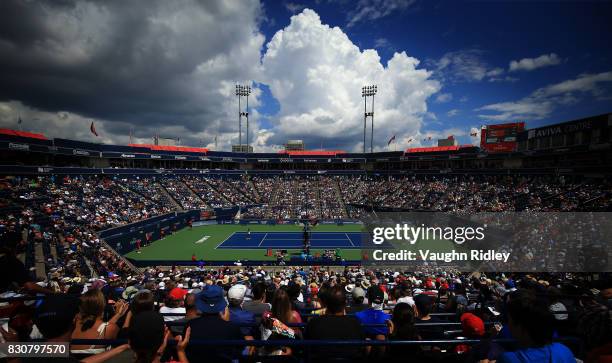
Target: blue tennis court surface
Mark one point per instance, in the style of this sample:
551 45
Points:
287 240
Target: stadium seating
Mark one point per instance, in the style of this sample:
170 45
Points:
63 215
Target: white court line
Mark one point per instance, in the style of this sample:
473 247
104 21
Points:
297 248
260 242
312 239
284 239
350 240
222 242
292 247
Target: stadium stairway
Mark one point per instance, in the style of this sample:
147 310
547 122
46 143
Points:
340 199
255 191
192 192
318 200
168 196
246 193
218 192
39 260
92 270
276 197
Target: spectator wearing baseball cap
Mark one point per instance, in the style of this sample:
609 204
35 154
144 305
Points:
213 324
174 304
358 295
374 314
473 327
55 318
191 312
238 316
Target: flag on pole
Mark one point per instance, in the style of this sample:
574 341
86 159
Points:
92 128
391 140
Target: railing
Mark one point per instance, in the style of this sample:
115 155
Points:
303 343
305 347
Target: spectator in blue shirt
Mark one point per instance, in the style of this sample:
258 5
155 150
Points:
532 324
374 314
235 296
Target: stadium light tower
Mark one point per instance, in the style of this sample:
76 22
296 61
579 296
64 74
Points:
240 92
368 91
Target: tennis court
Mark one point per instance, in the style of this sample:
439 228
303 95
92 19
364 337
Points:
291 240
224 243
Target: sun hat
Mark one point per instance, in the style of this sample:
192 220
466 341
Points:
211 300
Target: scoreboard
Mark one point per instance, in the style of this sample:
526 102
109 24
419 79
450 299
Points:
501 137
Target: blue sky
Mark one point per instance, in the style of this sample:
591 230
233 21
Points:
496 32
148 67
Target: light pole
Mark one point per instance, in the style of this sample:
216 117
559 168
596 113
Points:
368 91
240 92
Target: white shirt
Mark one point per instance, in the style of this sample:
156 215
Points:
406 299
165 309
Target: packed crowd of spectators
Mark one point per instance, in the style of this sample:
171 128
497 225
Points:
115 201
110 299
235 190
476 193
149 188
182 194
170 314
67 212
206 192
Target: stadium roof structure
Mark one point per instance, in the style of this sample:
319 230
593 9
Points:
171 148
431 149
312 152
31 135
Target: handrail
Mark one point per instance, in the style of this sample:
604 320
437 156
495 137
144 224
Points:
298 342
303 325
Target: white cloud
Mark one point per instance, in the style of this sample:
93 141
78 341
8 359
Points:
475 135
316 73
382 43
495 72
366 10
529 64
465 65
444 97
503 79
543 101
145 64
294 8
452 113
